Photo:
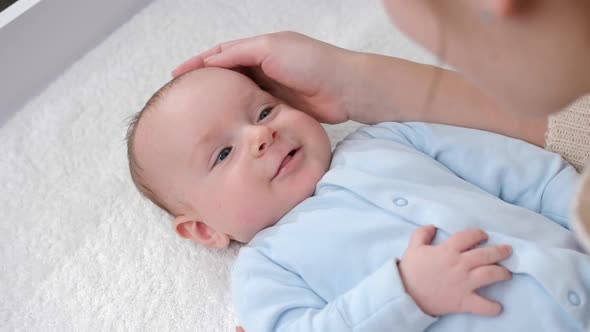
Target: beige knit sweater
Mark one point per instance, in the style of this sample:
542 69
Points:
569 135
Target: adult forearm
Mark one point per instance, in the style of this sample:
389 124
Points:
393 89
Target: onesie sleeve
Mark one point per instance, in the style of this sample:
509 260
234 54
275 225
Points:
269 297
513 170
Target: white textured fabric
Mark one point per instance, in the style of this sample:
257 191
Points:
80 250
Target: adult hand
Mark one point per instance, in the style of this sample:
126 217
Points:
239 329
442 279
313 76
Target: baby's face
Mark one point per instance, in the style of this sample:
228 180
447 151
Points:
223 152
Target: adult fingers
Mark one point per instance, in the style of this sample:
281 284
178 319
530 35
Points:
467 239
487 255
422 236
193 63
198 61
249 53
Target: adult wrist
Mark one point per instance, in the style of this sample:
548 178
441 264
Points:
357 95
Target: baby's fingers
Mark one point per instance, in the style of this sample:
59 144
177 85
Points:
466 239
486 255
487 275
478 305
422 236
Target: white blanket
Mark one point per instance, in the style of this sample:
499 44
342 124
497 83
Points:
80 250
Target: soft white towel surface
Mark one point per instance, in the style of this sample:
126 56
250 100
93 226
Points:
80 250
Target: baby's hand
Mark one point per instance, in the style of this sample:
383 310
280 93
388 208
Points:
442 279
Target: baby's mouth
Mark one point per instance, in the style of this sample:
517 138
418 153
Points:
286 160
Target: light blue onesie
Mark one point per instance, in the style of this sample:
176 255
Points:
329 264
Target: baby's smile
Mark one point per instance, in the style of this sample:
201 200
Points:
292 160
225 145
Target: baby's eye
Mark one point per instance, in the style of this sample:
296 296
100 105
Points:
222 155
264 113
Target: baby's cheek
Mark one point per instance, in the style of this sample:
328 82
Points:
217 202
237 199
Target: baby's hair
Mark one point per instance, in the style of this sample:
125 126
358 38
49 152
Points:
134 166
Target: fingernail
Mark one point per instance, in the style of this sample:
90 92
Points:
210 58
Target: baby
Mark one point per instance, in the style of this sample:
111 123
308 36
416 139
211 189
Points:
349 248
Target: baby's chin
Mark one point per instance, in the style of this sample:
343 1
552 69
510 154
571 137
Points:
296 194
245 238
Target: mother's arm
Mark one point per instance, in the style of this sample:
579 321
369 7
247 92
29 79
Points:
409 91
334 85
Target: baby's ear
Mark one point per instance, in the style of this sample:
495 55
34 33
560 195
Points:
200 232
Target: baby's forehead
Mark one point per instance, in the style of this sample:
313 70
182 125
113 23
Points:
212 90
212 79
204 95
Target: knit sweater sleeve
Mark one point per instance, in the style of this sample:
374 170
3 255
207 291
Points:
569 133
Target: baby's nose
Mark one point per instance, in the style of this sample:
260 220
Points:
262 139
